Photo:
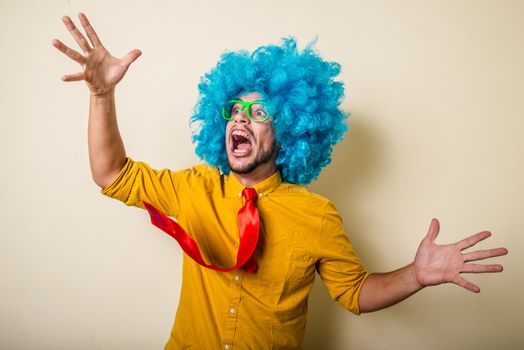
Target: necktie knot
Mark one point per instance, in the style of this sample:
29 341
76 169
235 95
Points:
249 193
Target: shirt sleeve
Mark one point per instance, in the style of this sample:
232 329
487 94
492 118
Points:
338 265
138 182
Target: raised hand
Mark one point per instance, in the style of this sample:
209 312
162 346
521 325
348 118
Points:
101 71
435 264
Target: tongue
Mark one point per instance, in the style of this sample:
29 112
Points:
243 146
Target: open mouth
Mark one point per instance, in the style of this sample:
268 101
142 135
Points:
241 142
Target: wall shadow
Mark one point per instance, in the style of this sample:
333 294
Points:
355 161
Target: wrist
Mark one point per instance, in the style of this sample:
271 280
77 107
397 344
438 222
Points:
413 276
103 94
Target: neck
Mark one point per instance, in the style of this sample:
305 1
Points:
258 175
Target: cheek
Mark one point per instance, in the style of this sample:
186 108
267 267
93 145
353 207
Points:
269 138
228 127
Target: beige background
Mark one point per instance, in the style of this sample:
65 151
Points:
435 91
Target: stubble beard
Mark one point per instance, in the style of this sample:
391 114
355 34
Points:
261 159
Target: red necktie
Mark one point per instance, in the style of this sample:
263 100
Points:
248 227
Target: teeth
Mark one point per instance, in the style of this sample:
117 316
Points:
240 133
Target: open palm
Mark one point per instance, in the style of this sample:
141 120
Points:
101 70
436 264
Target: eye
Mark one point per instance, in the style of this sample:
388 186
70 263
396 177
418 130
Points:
259 114
236 110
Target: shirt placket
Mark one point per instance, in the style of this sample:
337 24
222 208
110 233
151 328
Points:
233 309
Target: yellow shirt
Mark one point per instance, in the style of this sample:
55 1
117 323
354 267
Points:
300 233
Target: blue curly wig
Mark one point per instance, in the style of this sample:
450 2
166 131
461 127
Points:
300 95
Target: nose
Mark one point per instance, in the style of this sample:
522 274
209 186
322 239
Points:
242 117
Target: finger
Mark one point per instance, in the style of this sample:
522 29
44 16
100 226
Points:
74 55
477 268
74 77
433 231
79 38
131 57
473 239
466 284
91 34
485 254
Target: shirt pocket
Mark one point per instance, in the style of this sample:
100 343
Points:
285 274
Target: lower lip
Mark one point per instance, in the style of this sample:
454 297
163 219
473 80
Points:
241 152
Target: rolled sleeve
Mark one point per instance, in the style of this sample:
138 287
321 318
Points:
338 265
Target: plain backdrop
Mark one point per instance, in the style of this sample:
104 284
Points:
435 89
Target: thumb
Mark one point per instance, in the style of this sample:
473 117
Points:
131 57
433 231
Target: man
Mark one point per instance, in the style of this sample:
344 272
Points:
265 121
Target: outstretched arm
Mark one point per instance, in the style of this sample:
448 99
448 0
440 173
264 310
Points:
102 72
434 264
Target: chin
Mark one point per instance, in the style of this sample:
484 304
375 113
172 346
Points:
257 159
242 167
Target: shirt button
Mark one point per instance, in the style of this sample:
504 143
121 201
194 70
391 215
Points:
237 277
232 310
260 195
239 194
226 346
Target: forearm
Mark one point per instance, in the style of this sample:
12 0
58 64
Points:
107 154
381 290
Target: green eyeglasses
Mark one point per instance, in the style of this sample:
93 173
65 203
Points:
255 112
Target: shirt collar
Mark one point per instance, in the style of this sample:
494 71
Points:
233 187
